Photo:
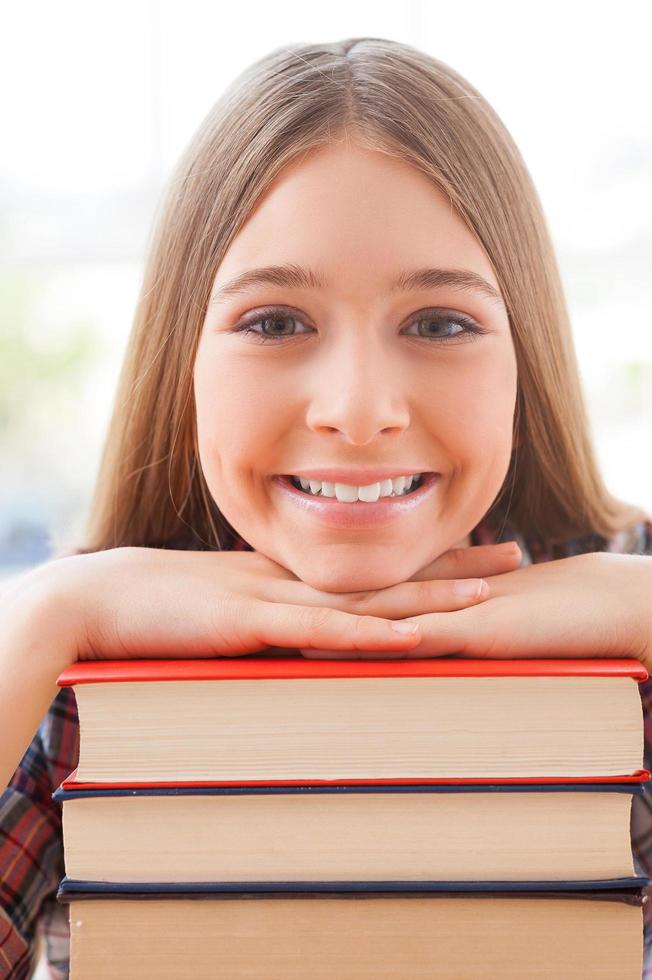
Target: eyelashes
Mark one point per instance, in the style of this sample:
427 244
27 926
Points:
469 330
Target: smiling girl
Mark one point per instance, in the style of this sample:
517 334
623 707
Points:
350 400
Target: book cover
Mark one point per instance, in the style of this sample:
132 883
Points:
628 890
267 668
70 789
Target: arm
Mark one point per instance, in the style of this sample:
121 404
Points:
35 646
38 746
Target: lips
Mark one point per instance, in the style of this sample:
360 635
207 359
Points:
359 514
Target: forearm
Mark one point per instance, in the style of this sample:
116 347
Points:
35 646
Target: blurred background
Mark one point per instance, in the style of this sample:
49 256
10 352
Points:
99 100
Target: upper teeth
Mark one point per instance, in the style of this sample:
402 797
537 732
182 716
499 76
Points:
347 493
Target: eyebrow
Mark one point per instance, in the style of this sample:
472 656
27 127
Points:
294 276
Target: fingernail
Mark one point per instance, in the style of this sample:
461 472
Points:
509 546
405 626
468 588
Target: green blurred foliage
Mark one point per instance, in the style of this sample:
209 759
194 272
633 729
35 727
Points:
638 381
36 369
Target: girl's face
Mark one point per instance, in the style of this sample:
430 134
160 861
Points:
353 372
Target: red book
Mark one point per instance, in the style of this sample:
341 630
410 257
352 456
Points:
289 721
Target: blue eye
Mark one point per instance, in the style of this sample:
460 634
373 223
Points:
277 318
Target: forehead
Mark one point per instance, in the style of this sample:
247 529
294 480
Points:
354 217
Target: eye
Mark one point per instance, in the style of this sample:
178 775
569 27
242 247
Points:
280 322
273 318
436 319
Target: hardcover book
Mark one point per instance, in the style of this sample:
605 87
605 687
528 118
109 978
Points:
419 832
390 933
257 720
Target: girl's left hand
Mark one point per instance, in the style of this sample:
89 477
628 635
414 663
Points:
591 605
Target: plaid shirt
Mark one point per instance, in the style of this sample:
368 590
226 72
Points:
31 839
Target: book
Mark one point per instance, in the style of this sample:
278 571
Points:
290 720
283 818
377 933
419 832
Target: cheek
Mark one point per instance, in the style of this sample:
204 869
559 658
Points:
472 409
235 424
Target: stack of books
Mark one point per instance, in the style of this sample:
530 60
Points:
282 817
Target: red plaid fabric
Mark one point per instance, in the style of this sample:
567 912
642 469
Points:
31 840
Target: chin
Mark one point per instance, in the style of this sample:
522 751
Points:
353 580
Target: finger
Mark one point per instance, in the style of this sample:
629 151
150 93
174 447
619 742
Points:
276 624
477 561
442 635
355 654
418 598
275 584
397 601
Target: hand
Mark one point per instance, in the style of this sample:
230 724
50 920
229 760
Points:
592 605
149 602
440 578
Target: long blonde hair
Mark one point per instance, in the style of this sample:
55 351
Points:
390 97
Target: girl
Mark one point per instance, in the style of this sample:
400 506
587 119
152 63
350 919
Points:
351 293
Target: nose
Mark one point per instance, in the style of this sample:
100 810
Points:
358 390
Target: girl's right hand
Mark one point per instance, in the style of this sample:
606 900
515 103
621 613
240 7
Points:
136 602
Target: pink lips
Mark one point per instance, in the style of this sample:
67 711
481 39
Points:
360 514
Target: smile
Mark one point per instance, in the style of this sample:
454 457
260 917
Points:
330 509
346 493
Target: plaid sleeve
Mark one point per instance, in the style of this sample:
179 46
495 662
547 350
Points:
31 842
639 542
641 830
